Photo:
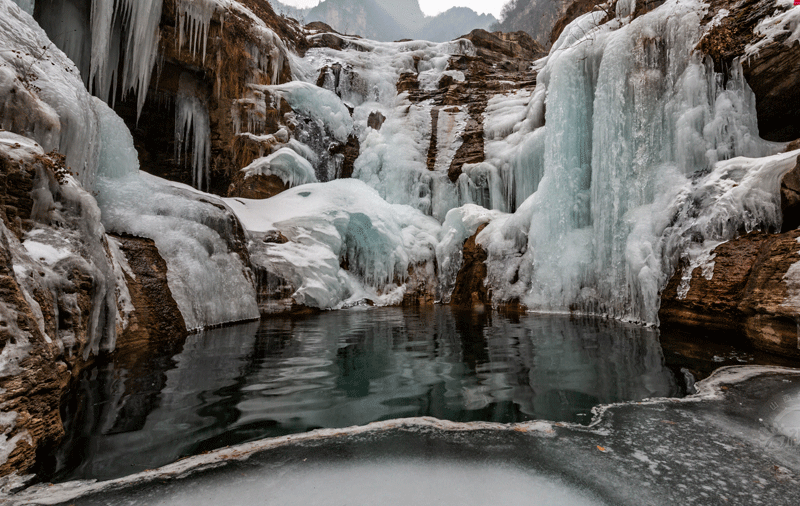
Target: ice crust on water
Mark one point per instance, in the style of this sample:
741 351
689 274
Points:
391 482
191 230
285 163
610 212
330 223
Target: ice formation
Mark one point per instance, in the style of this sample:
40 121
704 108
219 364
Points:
26 5
193 231
330 224
193 129
285 163
52 107
97 34
392 160
194 19
67 237
602 231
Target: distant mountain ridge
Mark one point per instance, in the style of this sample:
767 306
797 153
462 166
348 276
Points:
541 19
388 20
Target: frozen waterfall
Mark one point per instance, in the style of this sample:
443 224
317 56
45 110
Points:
634 120
194 232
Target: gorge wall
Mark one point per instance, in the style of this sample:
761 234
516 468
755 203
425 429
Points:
635 172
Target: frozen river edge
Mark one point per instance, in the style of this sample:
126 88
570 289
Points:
731 443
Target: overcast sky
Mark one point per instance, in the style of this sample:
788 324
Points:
433 7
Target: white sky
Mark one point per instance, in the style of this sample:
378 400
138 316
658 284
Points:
433 7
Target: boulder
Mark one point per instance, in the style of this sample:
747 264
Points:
753 292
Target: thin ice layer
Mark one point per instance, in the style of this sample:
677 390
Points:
336 223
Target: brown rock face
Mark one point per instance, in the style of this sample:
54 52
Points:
576 9
33 388
746 294
156 321
220 81
44 310
470 288
502 64
256 186
790 198
773 74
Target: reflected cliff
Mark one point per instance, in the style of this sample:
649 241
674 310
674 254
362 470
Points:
352 367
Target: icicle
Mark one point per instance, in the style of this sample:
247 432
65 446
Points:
141 45
191 120
194 20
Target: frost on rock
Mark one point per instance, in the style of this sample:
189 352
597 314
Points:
460 224
285 163
639 138
42 96
330 226
319 103
67 240
785 22
194 232
193 128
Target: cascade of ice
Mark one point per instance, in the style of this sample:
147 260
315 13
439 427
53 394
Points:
95 34
195 232
633 119
393 158
58 112
194 19
192 123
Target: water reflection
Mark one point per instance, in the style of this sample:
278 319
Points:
353 367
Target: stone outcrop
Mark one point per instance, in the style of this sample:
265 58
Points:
470 289
156 321
747 293
502 63
257 186
46 304
773 72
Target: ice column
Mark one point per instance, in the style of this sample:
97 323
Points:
194 19
192 128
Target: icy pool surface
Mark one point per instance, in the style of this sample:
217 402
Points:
390 483
346 368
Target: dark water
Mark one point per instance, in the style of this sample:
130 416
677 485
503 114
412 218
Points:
344 368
